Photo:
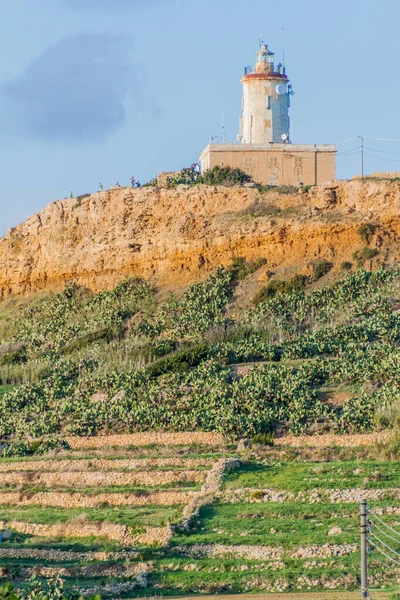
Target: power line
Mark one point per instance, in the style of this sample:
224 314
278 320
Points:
382 159
384 533
349 150
346 141
349 153
383 523
385 544
382 151
382 139
384 553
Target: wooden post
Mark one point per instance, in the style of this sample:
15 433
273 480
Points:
364 549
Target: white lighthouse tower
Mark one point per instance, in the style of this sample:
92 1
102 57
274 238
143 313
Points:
266 101
265 150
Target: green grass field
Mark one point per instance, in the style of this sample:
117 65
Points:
295 477
233 545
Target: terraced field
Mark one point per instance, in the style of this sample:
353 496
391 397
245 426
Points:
95 515
115 517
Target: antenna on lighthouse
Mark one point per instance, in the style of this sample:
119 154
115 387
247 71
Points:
283 48
261 39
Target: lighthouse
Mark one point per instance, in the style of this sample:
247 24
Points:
266 101
263 148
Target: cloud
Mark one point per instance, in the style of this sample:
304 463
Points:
73 92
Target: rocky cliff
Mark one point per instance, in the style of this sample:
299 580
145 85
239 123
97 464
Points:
175 237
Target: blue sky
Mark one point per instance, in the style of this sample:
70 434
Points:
99 90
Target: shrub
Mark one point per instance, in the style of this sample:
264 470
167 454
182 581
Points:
7 592
280 189
346 266
366 232
275 288
265 439
180 362
44 589
240 268
106 334
14 358
152 183
369 253
37 447
227 176
162 348
322 268
187 176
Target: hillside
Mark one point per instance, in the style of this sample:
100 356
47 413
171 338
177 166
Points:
297 359
216 439
179 236
298 333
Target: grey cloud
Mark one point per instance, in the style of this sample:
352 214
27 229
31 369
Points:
73 92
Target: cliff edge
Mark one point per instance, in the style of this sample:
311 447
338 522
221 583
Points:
176 237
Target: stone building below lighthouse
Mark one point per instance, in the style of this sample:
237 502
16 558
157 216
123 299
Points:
264 149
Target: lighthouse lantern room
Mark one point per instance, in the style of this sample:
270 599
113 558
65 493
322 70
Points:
266 101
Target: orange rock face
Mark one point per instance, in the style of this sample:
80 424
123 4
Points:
176 237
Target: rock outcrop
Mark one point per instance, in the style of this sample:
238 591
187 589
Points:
176 237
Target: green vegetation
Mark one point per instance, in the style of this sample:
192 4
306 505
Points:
276 288
346 266
280 544
5 388
365 254
123 361
297 477
37 447
219 175
322 268
282 189
136 517
240 268
366 232
49 589
368 253
227 176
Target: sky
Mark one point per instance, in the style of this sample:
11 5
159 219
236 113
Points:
99 90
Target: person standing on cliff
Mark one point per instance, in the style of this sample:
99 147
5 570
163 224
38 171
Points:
133 181
100 187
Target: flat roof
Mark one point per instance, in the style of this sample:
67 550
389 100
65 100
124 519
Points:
270 147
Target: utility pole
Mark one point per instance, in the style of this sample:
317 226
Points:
362 155
364 549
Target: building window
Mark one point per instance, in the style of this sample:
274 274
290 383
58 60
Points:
298 167
269 103
273 162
